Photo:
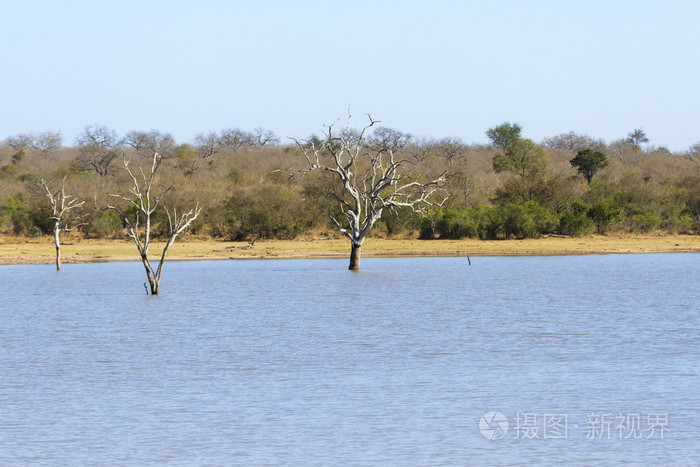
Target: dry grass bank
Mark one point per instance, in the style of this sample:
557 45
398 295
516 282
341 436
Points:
41 251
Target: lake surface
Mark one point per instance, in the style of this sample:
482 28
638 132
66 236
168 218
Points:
586 359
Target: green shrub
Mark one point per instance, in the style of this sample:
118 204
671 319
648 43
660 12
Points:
403 220
604 214
27 178
695 226
456 224
484 222
42 223
103 224
528 220
682 224
640 221
267 211
235 175
9 171
18 156
675 217
18 212
427 228
490 221
220 221
575 225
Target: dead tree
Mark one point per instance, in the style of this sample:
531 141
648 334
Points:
373 178
144 203
61 207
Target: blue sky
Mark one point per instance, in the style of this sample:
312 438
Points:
432 68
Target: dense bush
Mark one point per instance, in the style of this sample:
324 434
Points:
102 224
639 221
266 211
527 220
604 214
575 225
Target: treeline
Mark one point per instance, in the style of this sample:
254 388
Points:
254 185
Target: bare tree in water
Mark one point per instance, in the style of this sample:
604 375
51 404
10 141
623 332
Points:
373 178
145 203
63 220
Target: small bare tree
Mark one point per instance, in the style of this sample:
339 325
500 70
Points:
96 149
421 148
63 220
207 145
145 144
234 138
47 143
373 178
142 200
19 142
262 137
452 149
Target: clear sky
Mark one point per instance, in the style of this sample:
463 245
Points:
431 68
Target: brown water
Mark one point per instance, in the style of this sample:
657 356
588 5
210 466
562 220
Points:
303 362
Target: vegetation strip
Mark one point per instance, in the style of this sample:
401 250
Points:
358 179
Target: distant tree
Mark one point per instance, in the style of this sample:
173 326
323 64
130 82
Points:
146 143
18 142
693 155
187 160
97 149
622 148
421 148
523 158
451 149
372 177
637 137
455 152
263 137
504 135
47 143
588 162
206 145
141 201
233 138
573 142
63 220
388 139
136 140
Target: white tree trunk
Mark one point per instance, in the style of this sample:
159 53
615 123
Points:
57 243
61 205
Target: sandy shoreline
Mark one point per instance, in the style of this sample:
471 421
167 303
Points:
41 251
